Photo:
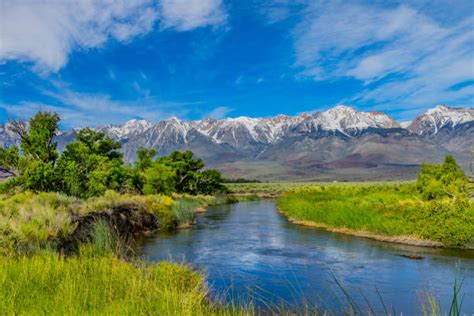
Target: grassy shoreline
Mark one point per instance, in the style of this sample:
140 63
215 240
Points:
102 277
391 213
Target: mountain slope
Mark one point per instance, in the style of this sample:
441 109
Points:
340 143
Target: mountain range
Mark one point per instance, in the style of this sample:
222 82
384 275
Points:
338 144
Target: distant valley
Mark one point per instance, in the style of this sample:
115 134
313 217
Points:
340 144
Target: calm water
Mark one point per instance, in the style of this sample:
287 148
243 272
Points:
249 251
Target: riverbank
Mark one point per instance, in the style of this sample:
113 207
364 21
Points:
61 255
391 213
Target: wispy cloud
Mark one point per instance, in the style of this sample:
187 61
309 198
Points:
46 32
403 57
91 109
219 112
190 14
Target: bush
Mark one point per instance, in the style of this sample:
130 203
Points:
442 180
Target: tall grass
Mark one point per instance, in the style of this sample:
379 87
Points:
185 211
50 284
32 222
390 210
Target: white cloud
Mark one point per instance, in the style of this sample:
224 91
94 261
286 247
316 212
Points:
184 15
46 32
420 58
219 112
90 109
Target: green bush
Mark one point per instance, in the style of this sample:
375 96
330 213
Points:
442 180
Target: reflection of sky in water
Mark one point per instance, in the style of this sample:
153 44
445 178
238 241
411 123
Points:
249 248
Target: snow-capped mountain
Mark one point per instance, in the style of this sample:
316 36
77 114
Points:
439 117
347 120
338 143
242 131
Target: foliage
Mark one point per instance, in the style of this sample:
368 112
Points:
37 141
159 178
9 159
392 210
145 158
210 181
93 164
442 180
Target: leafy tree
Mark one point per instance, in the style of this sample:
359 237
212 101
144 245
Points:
9 160
39 176
210 181
186 168
92 165
160 178
37 138
34 170
145 158
442 180
97 143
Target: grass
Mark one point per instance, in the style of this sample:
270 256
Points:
275 189
49 284
388 210
31 222
102 278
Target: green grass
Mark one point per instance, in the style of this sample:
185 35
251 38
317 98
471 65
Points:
390 209
185 210
273 189
49 284
31 222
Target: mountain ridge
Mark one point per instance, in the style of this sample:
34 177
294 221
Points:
293 147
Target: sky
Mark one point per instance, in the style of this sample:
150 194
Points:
106 62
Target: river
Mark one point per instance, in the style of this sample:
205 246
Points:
248 251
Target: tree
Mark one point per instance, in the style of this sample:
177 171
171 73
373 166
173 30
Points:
186 169
145 158
442 180
159 178
210 181
37 139
34 169
9 159
92 165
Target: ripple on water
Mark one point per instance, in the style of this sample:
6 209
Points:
249 250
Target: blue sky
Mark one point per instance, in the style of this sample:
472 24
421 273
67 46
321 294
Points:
98 62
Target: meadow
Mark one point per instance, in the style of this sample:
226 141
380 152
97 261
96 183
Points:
383 209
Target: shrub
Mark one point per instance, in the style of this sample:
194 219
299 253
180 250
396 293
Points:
442 180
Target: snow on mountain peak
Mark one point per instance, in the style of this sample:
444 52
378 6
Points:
345 119
137 124
434 119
